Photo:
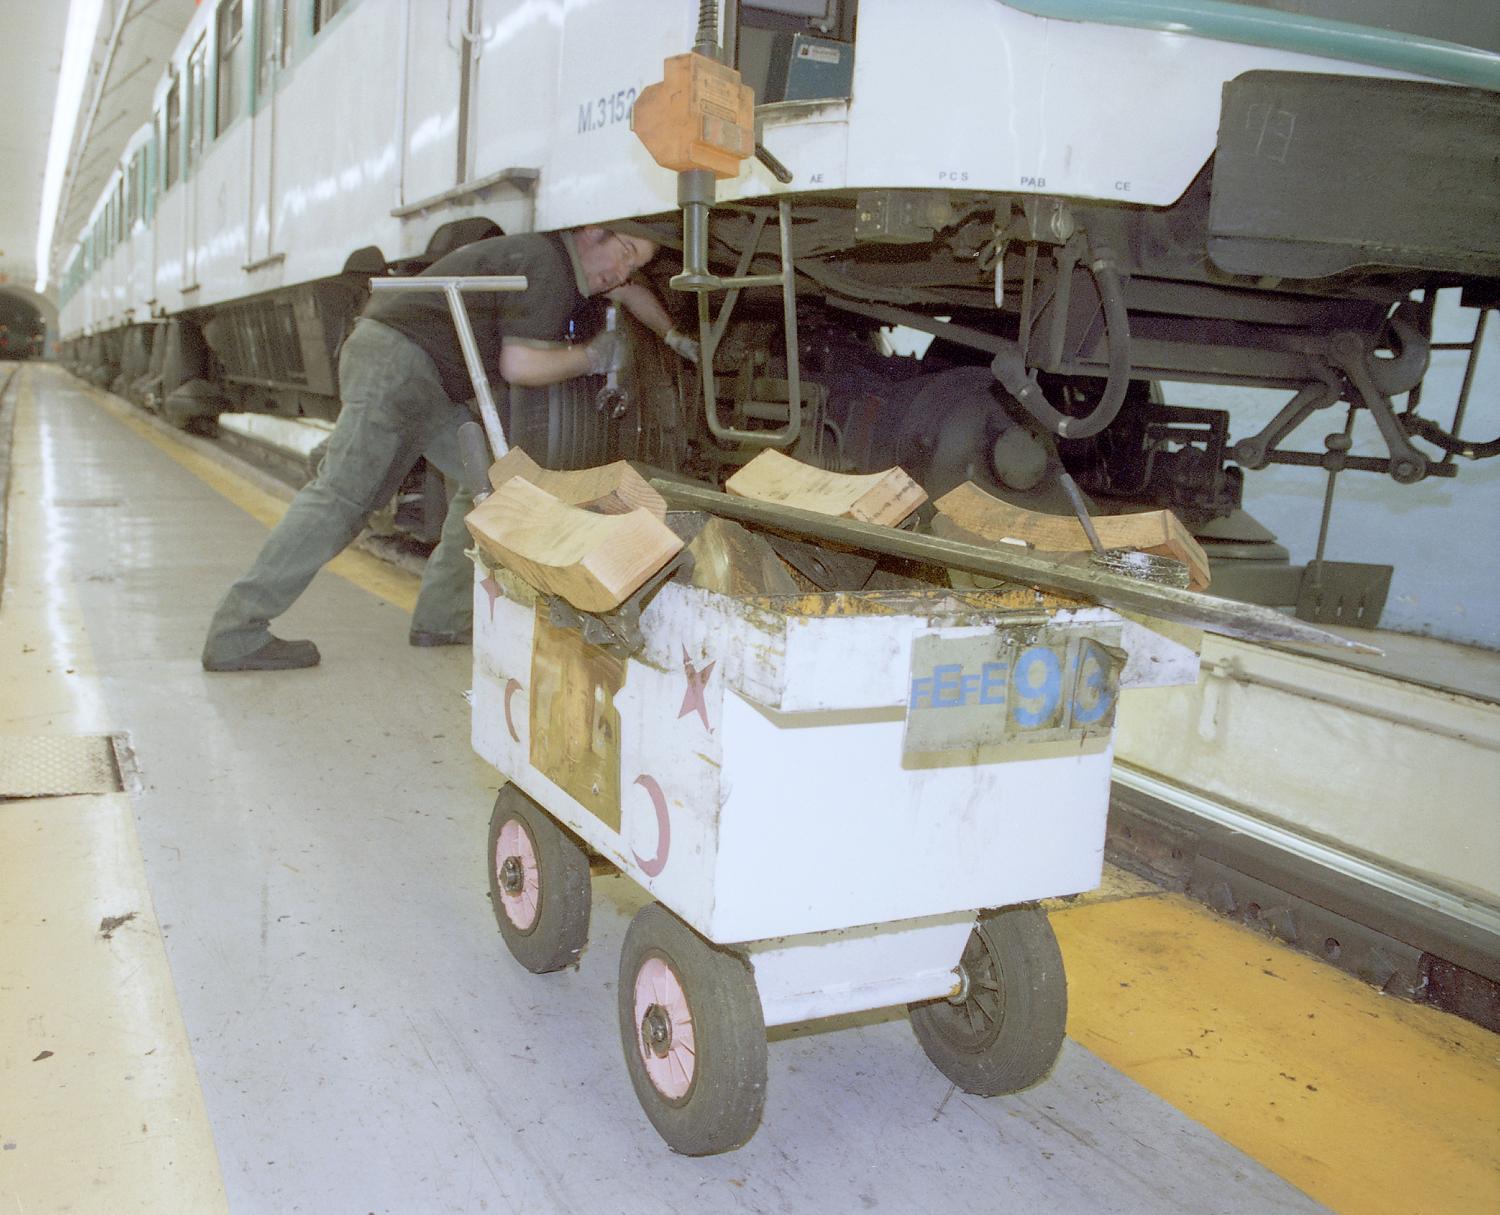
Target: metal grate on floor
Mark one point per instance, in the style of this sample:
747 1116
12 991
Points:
57 767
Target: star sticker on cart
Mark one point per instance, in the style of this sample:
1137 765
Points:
692 700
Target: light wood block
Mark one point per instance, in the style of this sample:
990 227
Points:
593 561
1156 531
732 560
609 489
884 498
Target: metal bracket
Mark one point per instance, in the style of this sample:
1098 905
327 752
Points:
619 632
695 277
1372 381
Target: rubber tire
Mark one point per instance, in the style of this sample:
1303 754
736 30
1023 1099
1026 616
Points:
561 929
722 1108
1020 1045
559 426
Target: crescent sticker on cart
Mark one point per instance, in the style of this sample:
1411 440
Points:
663 828
511 688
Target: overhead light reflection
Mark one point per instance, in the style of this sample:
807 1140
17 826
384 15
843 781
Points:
83 25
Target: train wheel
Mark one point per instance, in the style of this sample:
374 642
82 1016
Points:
539 884
693 1033
1004 1029
560 427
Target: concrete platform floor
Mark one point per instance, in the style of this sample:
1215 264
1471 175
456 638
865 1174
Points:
265 976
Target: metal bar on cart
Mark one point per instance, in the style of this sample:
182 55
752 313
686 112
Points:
1227 617
453 286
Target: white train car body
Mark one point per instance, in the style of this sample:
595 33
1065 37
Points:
967 161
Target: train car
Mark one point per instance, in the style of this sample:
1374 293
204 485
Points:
23 330
1074 199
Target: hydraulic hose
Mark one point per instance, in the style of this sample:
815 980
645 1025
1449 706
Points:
1009 366
1422 428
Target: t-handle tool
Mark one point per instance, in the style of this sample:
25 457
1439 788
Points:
475 454
453 286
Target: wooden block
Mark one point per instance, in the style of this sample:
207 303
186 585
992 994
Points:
573 690
885 498
593 561
1156 531
610 489
733 561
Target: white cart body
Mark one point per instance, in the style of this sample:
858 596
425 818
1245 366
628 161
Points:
751 768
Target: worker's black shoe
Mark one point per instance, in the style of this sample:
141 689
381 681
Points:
275 655
455 637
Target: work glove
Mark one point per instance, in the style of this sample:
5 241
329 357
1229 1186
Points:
602 352
685 346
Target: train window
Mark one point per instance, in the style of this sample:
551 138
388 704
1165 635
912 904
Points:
197 103
151 154
272 15
172 136
325 11
232 53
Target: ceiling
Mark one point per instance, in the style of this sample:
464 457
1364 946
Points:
30 58
130 48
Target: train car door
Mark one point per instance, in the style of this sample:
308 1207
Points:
197 115
436 70
512 90
270 56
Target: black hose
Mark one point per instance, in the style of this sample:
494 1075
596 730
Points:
1009 366
1422 428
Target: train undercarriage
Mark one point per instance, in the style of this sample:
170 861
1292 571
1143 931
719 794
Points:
1049 324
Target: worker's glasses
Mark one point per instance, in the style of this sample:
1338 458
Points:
630 252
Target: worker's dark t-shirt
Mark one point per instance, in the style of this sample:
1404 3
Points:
538 315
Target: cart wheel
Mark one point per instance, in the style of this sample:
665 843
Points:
539 884
694 1037
1004 1029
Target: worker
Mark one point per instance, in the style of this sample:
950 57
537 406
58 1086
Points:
404 383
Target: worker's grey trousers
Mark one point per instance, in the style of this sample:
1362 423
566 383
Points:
394 410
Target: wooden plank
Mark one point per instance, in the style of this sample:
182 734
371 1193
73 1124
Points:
1226 617
1158 531
576 740
593 561
883 498
609 489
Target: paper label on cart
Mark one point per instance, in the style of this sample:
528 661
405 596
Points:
1006 688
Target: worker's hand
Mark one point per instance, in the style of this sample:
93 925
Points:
602 352
685 346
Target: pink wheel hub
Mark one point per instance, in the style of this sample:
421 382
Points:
520 877
666 1041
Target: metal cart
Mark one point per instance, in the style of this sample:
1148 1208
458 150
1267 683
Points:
839 801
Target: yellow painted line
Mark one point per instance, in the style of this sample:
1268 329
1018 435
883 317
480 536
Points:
368 572
100 1103
1365 1102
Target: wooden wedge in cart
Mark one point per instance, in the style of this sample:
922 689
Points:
609 489
884 497
594 561
1157 531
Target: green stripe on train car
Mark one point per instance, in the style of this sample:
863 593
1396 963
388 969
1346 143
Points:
1285 31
